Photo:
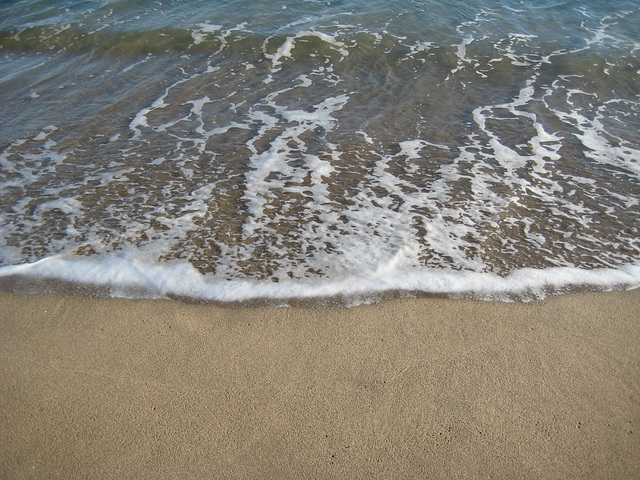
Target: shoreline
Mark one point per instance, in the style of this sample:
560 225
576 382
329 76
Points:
411 388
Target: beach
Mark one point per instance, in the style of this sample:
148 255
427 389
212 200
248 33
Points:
319 239
408 388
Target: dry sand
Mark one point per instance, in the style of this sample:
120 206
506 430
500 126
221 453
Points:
421 388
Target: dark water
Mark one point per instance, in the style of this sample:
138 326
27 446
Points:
237 149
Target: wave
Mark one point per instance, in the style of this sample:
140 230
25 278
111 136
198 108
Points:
325 42
125 277
321 157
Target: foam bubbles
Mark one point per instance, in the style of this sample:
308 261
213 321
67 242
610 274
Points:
297 155
126 276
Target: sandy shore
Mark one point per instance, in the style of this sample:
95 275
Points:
422 388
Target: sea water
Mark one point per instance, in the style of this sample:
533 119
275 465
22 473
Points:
241 149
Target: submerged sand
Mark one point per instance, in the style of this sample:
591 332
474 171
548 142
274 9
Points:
417 388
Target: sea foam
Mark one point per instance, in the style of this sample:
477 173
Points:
351 149
128 277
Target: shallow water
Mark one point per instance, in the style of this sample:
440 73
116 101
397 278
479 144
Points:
241 149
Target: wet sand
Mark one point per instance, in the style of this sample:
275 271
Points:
414 388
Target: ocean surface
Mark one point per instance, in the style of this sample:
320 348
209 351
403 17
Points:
346 150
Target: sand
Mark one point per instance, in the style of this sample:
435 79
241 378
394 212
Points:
412 388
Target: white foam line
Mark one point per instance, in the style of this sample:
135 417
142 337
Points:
200 34
123 275
135 64
274 159
285 50
461 52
